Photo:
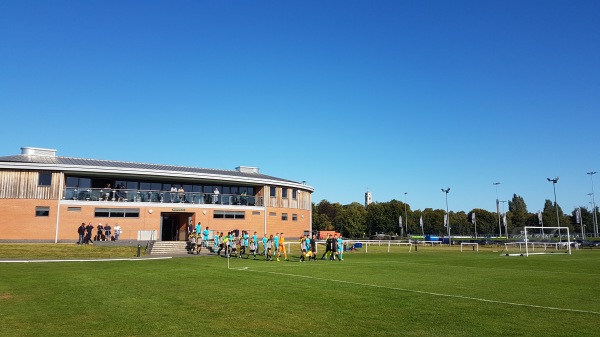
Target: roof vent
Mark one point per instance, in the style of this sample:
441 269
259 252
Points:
34 151
247 169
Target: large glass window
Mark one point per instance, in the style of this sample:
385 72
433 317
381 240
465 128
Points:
273 191
284 192
72 182
133 185
44 178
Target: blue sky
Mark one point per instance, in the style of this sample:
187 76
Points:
389 96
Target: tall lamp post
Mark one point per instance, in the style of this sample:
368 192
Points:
498 210
405 214
504 224
592 207
447 215
554 181
594 204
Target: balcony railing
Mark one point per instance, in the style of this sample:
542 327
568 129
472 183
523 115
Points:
127 195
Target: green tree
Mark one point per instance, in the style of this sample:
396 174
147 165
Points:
487 222
518 211
549 216
587 218
351 221
376 219
433 222
459 224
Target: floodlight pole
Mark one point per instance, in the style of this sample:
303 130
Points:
581 222
498 210
448 216
405 216
594 204
504 216
554 181
592 207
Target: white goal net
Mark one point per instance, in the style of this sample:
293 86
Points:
546 240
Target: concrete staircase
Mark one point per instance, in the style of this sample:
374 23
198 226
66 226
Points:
168 248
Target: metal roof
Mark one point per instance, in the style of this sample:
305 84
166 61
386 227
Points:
68 164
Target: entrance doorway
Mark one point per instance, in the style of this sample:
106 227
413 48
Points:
174 226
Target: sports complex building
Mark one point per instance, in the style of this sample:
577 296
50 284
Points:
45 198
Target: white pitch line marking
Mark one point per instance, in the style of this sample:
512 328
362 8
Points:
473 267
431 293
87 260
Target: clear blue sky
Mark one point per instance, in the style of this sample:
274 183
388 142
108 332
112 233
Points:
389 96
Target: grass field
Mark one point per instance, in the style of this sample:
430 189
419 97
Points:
436 291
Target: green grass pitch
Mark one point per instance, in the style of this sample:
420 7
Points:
436 291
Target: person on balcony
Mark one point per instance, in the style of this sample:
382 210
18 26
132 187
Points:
215 198
173 193
181 194
106 192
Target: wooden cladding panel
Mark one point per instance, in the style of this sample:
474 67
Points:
302 200
16 184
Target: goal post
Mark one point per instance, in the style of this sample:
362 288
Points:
545 240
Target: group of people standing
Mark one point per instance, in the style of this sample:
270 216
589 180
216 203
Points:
334 248
103 233
273 246
197 238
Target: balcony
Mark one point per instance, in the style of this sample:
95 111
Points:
126 195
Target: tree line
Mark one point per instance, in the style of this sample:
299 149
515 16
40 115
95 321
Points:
355 220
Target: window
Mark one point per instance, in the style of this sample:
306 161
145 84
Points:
284 217
73 209
284 192
42 211
44 178
272 214
229 215
273 191
255 212
294 217
294 194
79 182
117 212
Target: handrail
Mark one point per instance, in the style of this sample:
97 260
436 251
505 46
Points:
133 195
